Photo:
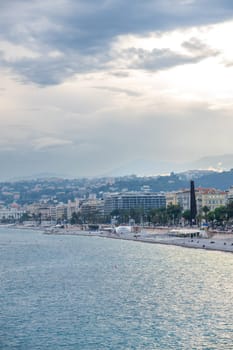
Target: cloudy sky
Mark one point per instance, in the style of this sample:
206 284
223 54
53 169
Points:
93 87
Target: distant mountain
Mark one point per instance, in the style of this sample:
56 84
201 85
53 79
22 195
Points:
222 180
149 167
38 176
145 167
220 162
175 182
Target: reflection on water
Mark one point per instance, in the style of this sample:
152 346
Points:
64 292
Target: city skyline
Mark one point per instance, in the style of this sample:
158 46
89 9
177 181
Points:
92 88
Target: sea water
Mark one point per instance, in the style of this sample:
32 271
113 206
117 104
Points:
69 292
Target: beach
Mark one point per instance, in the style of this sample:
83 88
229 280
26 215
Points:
218 241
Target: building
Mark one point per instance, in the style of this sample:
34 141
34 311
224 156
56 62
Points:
92 207
72 207
171 198
183 199
230 195
211 198
11 214
61 212
45 212
205 197
133 200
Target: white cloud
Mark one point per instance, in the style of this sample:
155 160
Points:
48 142
12 52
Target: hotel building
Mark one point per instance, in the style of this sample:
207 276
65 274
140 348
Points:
133 200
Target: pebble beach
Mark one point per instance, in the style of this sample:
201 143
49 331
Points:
217 241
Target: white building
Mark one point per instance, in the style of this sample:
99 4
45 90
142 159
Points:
209 197
11 214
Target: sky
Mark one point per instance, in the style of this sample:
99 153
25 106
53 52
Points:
95 88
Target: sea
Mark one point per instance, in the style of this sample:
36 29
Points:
73 292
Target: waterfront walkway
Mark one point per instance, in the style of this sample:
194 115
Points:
218 241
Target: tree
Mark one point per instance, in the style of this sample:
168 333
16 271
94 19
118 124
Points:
137 214
122 215
186 215
159 216
211 217
174 213
3 219
76 219
25 217
230 210
220 214
205 210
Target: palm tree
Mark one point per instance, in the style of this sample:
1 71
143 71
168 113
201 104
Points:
205 210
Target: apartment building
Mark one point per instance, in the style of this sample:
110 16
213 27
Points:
133 200
171 198
209 197
11 213
92 207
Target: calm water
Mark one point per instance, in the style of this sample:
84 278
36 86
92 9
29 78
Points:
66 292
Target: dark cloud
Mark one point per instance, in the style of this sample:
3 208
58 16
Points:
197 47
83 30
87 24
120 74
46 70
119 90
159 59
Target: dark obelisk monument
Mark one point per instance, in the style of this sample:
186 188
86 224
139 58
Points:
193 204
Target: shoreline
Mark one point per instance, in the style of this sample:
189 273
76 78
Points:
213 243
217 242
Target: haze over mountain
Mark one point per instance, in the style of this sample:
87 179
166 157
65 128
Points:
218 162
149 167
48 164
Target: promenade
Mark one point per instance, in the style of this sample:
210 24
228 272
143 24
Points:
217 241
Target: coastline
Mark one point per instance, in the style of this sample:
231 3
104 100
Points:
222 242
218 242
